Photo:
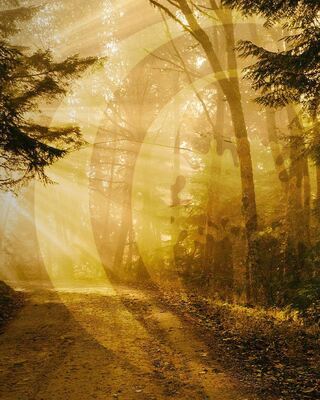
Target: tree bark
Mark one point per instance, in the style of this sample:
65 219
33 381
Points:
296 229
306 198
318 182
231 90
277 156
125 224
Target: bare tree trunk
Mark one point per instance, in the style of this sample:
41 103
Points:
277 156
125 226
318 182
306 198
109 191
299 172
231 90
129 260
296 229
213 192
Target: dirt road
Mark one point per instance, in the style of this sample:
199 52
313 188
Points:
107 344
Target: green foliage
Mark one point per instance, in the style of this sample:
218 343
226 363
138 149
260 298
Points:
29 78
276 10
291 75
307 294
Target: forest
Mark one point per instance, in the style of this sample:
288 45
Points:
160 171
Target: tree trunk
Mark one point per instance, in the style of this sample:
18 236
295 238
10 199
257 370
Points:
231 90
276 152
129 260
126 221
277 156
297 231
318 182
306 198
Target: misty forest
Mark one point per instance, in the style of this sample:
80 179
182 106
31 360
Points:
160 199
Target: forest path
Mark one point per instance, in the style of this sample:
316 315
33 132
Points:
110 344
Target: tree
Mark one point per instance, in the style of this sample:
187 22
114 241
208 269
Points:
283 78
291 75
186 14
28 78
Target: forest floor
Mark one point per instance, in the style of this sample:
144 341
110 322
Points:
10 302
114 343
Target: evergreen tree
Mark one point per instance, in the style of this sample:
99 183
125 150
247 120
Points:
28 78
291 75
